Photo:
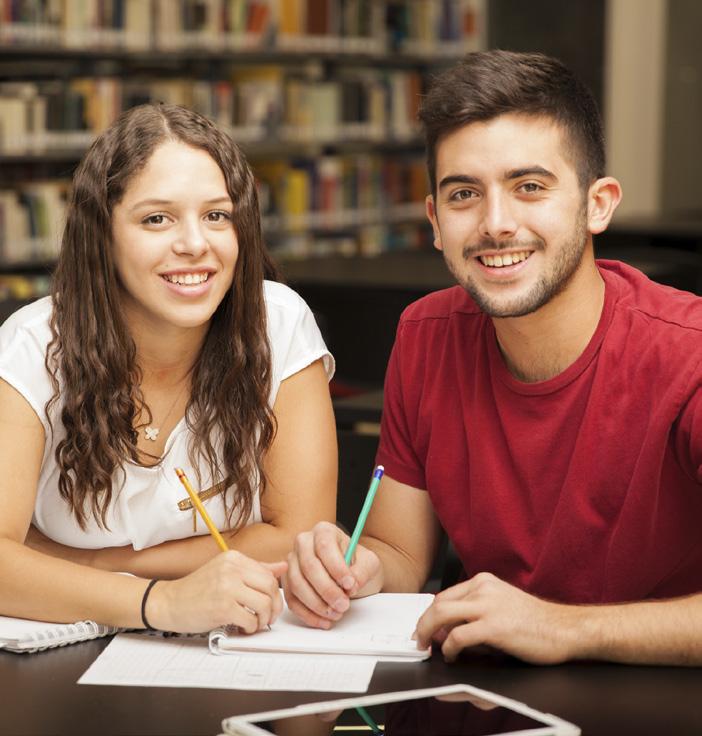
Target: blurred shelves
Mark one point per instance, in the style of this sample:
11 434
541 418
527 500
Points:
320 94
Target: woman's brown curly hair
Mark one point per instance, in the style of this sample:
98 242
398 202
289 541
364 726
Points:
92 357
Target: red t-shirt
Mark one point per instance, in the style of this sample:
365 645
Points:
584 488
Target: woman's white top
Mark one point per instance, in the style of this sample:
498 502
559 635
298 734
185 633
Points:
144 509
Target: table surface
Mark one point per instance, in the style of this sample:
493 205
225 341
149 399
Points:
40 695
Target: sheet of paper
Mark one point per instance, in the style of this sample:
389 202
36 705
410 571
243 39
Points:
140 659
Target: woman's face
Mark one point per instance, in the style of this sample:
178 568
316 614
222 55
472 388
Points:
174 243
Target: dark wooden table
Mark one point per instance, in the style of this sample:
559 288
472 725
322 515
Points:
40 696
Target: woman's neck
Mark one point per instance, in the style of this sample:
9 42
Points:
167 357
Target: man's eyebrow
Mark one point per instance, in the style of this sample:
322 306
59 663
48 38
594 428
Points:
458 179
530 171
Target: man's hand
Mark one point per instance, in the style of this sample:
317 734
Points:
487 611
319 584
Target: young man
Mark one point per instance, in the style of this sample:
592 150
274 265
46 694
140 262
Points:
546 412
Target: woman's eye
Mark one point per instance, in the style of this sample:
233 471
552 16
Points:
218 216
154 220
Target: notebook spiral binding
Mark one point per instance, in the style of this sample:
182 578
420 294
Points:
63 634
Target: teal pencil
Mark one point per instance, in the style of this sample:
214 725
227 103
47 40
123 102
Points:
375 481
366 716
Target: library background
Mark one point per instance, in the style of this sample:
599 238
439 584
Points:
322 96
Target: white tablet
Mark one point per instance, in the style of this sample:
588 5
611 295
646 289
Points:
453 710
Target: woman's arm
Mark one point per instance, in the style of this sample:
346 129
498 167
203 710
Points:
301 468
34 585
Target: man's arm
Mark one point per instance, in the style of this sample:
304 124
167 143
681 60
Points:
395 554
488 611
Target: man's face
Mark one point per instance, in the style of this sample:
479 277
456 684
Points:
509 215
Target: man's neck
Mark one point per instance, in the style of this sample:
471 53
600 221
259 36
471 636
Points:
543 344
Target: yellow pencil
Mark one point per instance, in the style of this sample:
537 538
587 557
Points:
197 503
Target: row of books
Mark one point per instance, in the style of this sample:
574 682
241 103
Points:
340 191
266 103
31 221
335 26
367 240
22 287
331 194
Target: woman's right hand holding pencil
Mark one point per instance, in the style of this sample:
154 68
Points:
229 589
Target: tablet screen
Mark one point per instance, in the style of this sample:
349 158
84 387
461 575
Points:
451 715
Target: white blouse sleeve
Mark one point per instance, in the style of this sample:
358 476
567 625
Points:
294 336
24 338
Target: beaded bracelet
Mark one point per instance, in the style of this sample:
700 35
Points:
144 598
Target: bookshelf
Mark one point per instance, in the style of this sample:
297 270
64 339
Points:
321 95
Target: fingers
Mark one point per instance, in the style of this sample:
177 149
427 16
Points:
318 580
259 582
440 619
456 625
461 637
304 601
465 588
327 540
277 568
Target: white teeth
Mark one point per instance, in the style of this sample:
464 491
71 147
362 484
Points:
506 259
186 278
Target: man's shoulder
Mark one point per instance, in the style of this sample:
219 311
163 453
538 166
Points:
440 305
663 306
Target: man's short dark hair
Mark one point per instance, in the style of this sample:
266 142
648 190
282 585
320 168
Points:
487 84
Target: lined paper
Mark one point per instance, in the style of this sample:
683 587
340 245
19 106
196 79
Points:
150 661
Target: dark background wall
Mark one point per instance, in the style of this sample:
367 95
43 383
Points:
570 31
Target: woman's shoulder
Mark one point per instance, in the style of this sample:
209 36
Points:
31 320
286 310
294 335
280 296
24 338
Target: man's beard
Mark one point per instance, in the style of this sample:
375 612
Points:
548 285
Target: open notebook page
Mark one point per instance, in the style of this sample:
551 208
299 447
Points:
380 625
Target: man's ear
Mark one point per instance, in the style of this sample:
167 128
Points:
603 197
431 214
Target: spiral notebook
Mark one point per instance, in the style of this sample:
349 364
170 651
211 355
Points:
23 635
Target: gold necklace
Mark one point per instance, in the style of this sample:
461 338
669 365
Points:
151 432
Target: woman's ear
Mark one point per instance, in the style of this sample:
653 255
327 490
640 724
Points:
603 197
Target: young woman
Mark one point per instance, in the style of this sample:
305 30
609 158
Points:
162 346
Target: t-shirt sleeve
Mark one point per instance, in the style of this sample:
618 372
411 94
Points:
295 338
689 434
23 341
395 450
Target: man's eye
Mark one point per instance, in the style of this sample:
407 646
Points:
462 195
531 187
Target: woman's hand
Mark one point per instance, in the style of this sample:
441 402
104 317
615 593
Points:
229 589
